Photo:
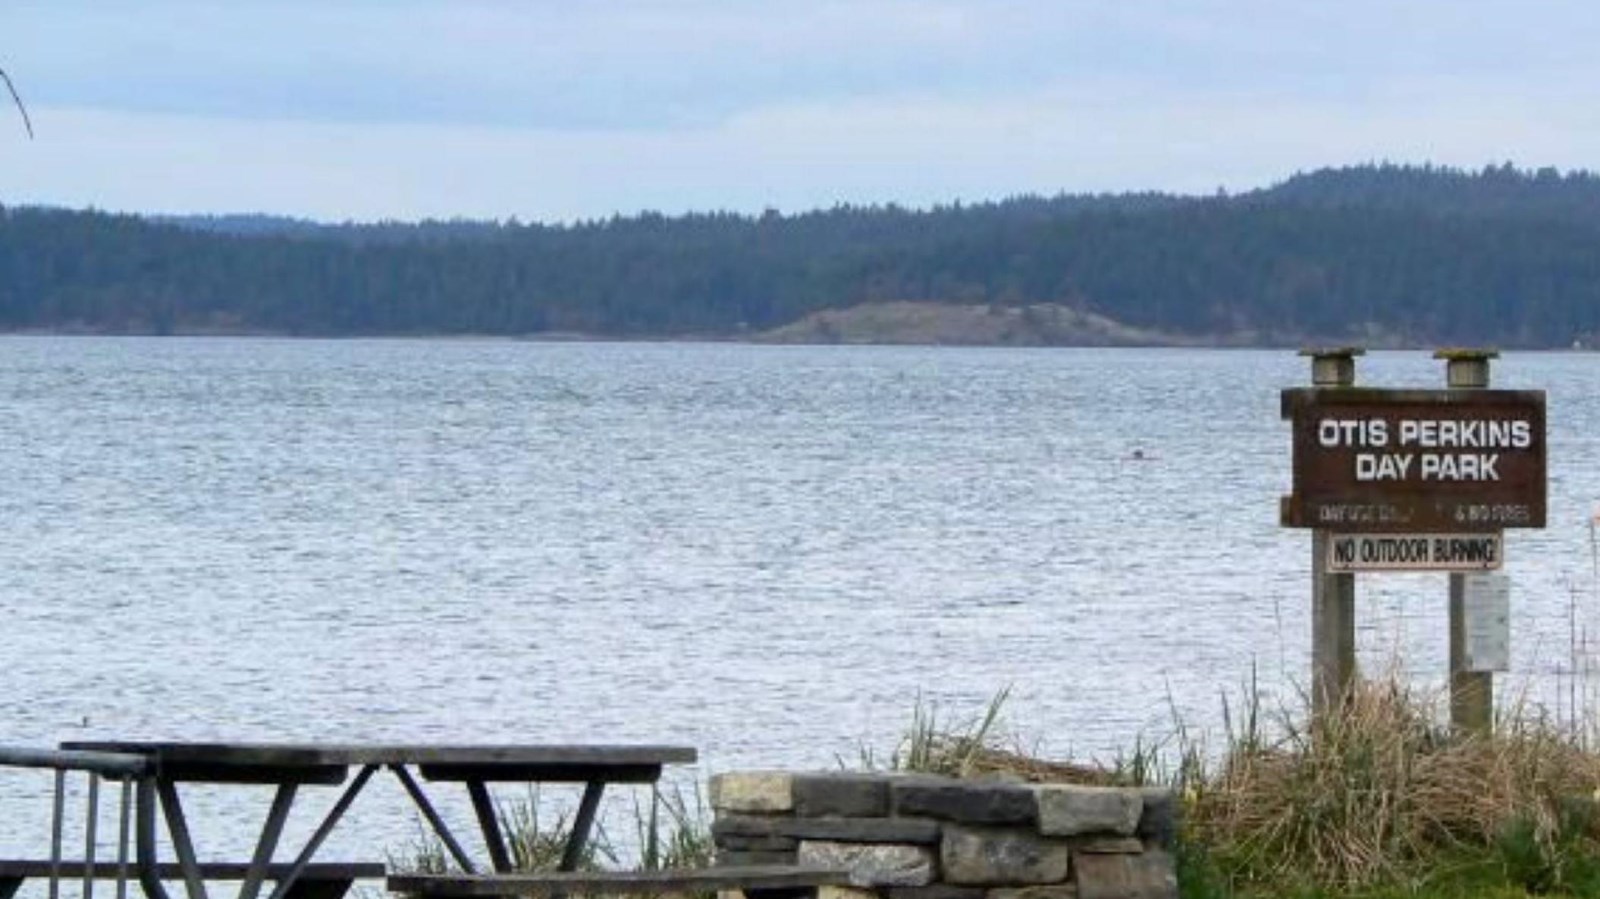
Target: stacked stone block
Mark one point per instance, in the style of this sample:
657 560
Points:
912 836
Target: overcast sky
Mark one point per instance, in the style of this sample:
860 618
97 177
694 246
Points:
364 109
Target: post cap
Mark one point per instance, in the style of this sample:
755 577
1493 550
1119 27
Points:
1333 352
1466 354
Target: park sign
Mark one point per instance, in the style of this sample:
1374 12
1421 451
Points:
1416 552
1400 462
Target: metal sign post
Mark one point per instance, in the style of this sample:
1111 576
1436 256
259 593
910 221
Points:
1333 594
1471 688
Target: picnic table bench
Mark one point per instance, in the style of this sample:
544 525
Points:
756 882
319 880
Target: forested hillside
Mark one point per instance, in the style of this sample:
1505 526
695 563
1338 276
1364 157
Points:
1377 254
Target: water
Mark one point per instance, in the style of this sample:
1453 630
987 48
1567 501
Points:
765 552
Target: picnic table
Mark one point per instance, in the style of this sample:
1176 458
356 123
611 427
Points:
291 767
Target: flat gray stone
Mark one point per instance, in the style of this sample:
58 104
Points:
738 843
736 859
841 794
1151 875
1161 818
968 803
1069 810
1105 845
936 891
875 865
1050 891
843 830
995 856
752 791
835 892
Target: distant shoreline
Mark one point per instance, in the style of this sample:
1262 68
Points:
574 338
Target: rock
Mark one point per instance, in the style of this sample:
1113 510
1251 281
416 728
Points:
842 794
738 843
1151 875
1068 810
727 858
1053 891
1160 820
752 791
936 891
843 830
882 864
993 856
1107 845
953 800
832 892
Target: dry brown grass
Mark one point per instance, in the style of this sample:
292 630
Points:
1379 790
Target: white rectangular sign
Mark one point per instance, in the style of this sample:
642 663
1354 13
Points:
1415 552
1486 604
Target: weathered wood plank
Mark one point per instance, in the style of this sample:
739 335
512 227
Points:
30 868
566 772
107 763
312 755
764 877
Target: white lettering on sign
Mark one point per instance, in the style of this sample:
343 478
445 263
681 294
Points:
1415 552
1336 433
1392 465
1427 433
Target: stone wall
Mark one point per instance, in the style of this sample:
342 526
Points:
911 836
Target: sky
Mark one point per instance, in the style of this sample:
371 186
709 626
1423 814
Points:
557 111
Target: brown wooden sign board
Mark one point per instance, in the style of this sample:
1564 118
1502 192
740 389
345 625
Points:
1416 461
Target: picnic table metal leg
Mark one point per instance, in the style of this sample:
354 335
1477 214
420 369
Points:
122 838
91 818
145 838
56 823
420 800
489 822
282 801
286 885
581 825
182 843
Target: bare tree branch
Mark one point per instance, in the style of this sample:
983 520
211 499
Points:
26 122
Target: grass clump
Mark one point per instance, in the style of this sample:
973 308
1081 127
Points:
671 830
1375 799
1377 794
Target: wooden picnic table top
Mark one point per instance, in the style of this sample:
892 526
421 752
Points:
437 761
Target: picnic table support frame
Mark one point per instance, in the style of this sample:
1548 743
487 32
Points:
424 805
582 823
90 817
55 832
271 830
145 839
182 842
330 821
489 823
150 788
124 829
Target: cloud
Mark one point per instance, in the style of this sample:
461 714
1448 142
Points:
915 150
692 63
547 109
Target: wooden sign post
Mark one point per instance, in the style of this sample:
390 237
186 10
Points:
1471 691
1333 595
1409 480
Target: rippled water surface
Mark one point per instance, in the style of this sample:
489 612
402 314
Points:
763 552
